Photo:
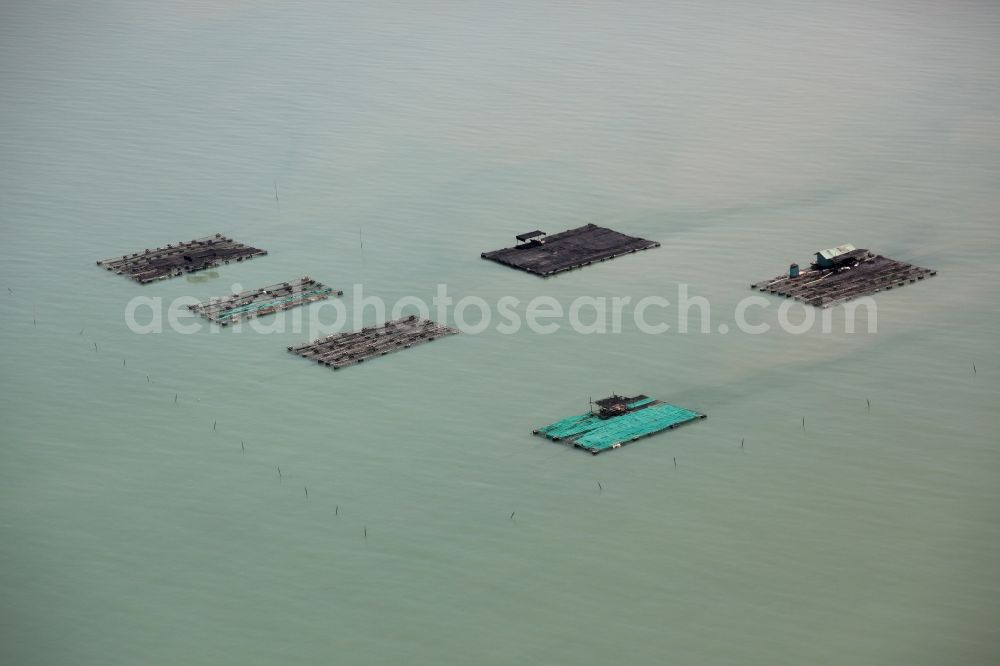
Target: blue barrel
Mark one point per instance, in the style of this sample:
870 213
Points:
793 270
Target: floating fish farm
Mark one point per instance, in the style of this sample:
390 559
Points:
618 421
343 349
263 301
174 260
544 255
840 274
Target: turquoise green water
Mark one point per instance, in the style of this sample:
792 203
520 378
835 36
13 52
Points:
132 531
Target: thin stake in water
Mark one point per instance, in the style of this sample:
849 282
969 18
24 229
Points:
600 488
279 474
803 423
336 510
175 398
307 491
868 400
741 442
675 463
214 423
512 514
243 447
973 368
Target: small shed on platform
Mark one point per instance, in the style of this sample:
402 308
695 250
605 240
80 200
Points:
838 256
535 236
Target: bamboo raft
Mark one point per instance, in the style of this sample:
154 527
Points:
175 260
343 349
619 420
826 287
263 301
567 250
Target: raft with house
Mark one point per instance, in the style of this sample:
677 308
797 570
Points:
841 273
544 255
618 420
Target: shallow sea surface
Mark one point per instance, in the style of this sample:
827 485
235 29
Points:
136 529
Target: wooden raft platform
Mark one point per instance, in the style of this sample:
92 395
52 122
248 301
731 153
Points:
619 420
567 250
343 349
825 287
174 260
263 301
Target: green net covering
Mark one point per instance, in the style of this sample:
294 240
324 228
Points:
261 305
595 434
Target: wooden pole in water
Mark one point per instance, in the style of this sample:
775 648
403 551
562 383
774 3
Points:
675 463
214 424
243 447
336 510
741 442
512 514
307 491
279 474
600 488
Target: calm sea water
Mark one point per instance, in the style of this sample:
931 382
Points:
740 137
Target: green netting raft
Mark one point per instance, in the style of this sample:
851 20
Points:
595 434
274 303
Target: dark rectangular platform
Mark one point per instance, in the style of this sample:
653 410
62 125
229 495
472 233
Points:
174 260
825 287
263 301
343 349
569 249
